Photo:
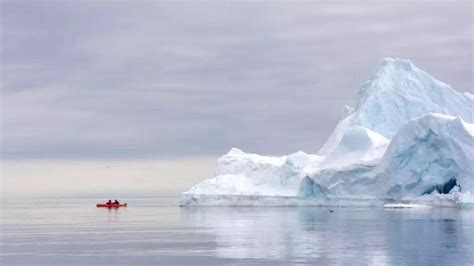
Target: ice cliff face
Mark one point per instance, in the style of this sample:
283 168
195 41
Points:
430 154
433 153
410 137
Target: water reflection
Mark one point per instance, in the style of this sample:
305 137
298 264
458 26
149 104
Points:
157 231
437 236
347 236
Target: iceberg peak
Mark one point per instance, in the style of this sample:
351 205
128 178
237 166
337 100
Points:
235 152
389 63
397 76
398 92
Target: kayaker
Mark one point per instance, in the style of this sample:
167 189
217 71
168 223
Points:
109 202
116 202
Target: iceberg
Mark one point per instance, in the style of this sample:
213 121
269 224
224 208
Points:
409 140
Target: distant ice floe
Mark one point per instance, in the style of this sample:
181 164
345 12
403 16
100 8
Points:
404 206
409 139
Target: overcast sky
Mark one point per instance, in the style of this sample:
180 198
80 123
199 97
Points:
155 79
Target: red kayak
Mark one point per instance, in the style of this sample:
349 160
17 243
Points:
102 205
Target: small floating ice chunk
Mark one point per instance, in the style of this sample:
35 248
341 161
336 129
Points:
404 206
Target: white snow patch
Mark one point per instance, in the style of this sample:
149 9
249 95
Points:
358 145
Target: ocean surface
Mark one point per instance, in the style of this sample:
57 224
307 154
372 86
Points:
156 231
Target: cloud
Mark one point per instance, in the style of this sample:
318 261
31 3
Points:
160 79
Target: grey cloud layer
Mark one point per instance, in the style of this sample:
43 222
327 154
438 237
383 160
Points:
156 79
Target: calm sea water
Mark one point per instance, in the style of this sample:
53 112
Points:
155 231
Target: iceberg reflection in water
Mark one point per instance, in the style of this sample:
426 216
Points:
347 235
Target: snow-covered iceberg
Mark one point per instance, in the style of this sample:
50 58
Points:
410 139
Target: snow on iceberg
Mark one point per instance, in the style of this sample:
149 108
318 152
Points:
357 145
240 173
410 137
